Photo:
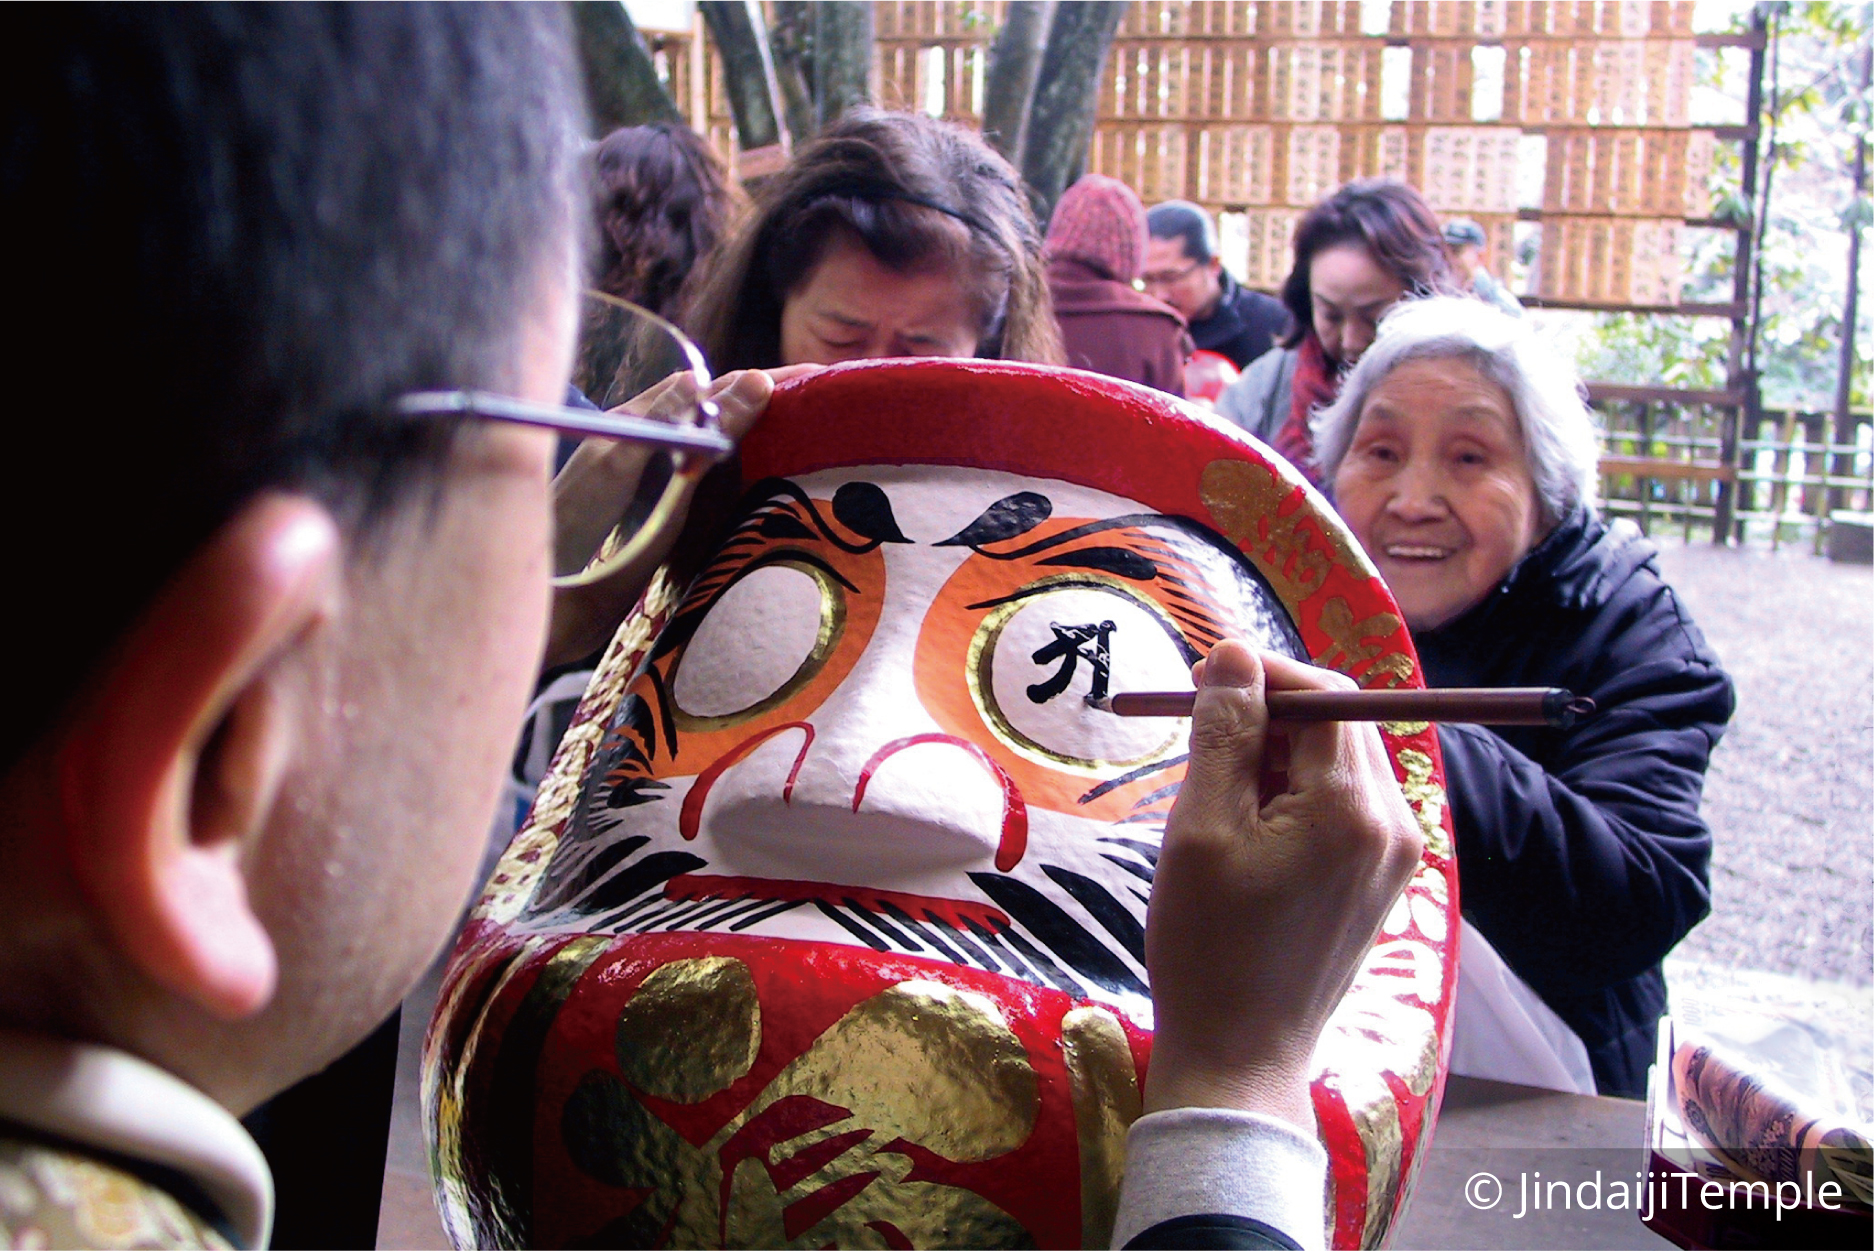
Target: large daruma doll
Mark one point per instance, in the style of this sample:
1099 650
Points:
827 928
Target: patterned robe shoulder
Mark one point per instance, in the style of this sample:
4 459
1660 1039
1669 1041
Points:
55 1195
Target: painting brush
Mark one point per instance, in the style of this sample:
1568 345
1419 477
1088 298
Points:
1512 705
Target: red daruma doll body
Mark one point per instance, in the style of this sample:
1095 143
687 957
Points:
827 927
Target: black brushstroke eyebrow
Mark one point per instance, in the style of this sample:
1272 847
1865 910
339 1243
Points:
1093 584
776 490
1136 521
1115 560
1153 533
1009 517
864 509
1179 640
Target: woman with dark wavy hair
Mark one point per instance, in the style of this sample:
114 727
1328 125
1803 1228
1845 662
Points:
663 202
1357 253
890 235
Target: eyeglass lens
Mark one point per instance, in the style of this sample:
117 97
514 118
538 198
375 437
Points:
627 357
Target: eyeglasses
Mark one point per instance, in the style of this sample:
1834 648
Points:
573 421
1165 279
654 390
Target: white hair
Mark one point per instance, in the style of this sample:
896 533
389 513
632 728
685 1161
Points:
1559 436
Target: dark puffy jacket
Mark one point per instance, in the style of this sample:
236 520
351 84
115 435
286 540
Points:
1582 854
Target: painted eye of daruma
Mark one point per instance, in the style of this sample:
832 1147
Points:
1034 661
765 637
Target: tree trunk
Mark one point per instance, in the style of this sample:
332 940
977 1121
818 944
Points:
1015 58
1061 118
1843 428
843 57
749 80
791 40
622 87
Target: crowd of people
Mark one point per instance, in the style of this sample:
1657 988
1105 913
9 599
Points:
1393 371
250 770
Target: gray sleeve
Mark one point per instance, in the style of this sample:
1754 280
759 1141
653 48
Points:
1193 1161
1260 399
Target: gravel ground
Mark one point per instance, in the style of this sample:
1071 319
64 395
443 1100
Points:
1789 793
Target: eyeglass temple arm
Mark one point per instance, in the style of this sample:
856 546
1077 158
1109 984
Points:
571 420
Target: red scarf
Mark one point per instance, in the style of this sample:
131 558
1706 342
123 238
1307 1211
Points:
1313 386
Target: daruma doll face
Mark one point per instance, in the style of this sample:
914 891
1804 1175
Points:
828 926
867 724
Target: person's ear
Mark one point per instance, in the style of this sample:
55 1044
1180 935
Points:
175 753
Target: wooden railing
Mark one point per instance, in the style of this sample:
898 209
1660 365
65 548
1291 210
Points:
1795 470
1687 459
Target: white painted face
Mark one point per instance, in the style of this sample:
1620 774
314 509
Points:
868 724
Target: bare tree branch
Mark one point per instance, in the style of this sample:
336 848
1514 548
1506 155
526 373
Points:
1015 58
622 87
791 40
1061 118
748 76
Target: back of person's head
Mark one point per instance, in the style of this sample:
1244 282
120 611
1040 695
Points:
1187 222
1546 395
919 194
280 635
1392 221
1101 223
663 202
240 231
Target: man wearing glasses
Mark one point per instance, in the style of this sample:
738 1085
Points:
280 620
1183 269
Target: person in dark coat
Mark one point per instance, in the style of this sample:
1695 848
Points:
1465 462
1183 269
1095 247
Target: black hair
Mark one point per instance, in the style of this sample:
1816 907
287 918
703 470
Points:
1185 221
915 191
663 201
1392 221
237 232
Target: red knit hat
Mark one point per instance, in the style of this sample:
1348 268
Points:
1101 223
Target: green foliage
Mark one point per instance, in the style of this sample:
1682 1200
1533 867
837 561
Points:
1648 349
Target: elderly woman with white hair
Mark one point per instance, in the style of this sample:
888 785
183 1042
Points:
1461 454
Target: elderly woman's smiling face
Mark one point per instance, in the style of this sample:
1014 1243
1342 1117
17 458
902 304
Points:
1437 486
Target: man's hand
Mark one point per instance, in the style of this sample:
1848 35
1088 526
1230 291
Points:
1283 854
